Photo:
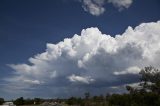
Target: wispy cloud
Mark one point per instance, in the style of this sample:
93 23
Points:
121 4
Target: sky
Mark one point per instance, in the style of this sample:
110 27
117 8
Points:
63 48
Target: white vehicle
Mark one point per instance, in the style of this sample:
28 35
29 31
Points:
8 104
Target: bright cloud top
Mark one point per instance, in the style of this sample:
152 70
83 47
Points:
92 58
96 7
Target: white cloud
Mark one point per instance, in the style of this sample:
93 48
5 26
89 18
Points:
97 7
130 70
74 78
94 7
53 74
121 3
32 81
101 57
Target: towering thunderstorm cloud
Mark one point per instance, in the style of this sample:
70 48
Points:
90 60
96 7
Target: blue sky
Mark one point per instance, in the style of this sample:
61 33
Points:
26 26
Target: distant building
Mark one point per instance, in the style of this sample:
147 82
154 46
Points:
8 104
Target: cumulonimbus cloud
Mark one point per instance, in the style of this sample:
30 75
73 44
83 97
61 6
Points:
92 58
96 7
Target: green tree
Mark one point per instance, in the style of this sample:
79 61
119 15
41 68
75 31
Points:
1 101
87 95
150 78
38 101
19 101
28 101
148 92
